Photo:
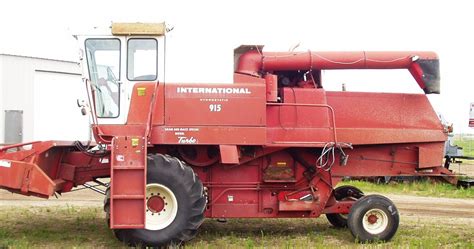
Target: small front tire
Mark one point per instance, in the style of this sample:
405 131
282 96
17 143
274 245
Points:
373 218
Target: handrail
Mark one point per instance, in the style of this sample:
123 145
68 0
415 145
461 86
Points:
149 122
95 121
333 117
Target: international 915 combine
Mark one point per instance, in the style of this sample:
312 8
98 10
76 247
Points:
273 144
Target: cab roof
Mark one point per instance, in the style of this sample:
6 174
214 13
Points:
147 29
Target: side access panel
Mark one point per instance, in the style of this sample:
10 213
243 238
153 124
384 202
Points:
128 181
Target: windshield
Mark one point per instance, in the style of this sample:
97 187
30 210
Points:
103 60
142 59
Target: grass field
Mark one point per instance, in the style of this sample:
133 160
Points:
69 227
84 227
467 145
424 188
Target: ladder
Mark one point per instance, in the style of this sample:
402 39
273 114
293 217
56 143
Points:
128 182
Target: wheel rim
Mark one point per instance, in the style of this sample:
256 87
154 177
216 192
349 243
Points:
375 221
162 206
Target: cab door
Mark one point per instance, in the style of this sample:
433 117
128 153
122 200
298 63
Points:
102 71
143 62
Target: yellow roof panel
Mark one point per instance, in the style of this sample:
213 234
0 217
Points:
152 29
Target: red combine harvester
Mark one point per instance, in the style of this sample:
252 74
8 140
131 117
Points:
271 145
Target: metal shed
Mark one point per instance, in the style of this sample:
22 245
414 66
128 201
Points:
38 100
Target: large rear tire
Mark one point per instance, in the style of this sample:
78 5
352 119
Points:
373 218
175 205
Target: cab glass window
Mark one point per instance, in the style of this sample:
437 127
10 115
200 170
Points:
103 62
142 59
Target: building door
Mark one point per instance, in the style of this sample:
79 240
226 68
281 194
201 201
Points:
13 126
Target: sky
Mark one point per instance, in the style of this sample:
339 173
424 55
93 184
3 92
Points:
200 47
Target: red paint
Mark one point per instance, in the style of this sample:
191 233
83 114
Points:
266 136
223 104
372 219
155 204
127 182
253 61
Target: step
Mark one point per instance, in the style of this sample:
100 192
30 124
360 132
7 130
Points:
128 182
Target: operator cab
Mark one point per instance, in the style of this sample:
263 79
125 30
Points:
114 60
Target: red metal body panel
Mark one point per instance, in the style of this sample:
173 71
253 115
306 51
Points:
381 118
229 154
304 125
78 168
142 97
383 110
215 104
26 177
33 168
237 135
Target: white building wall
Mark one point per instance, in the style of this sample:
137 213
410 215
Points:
56 114
2 139
19 92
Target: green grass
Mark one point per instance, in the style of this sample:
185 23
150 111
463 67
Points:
79 227
467 145
64 227
84 227
423 188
